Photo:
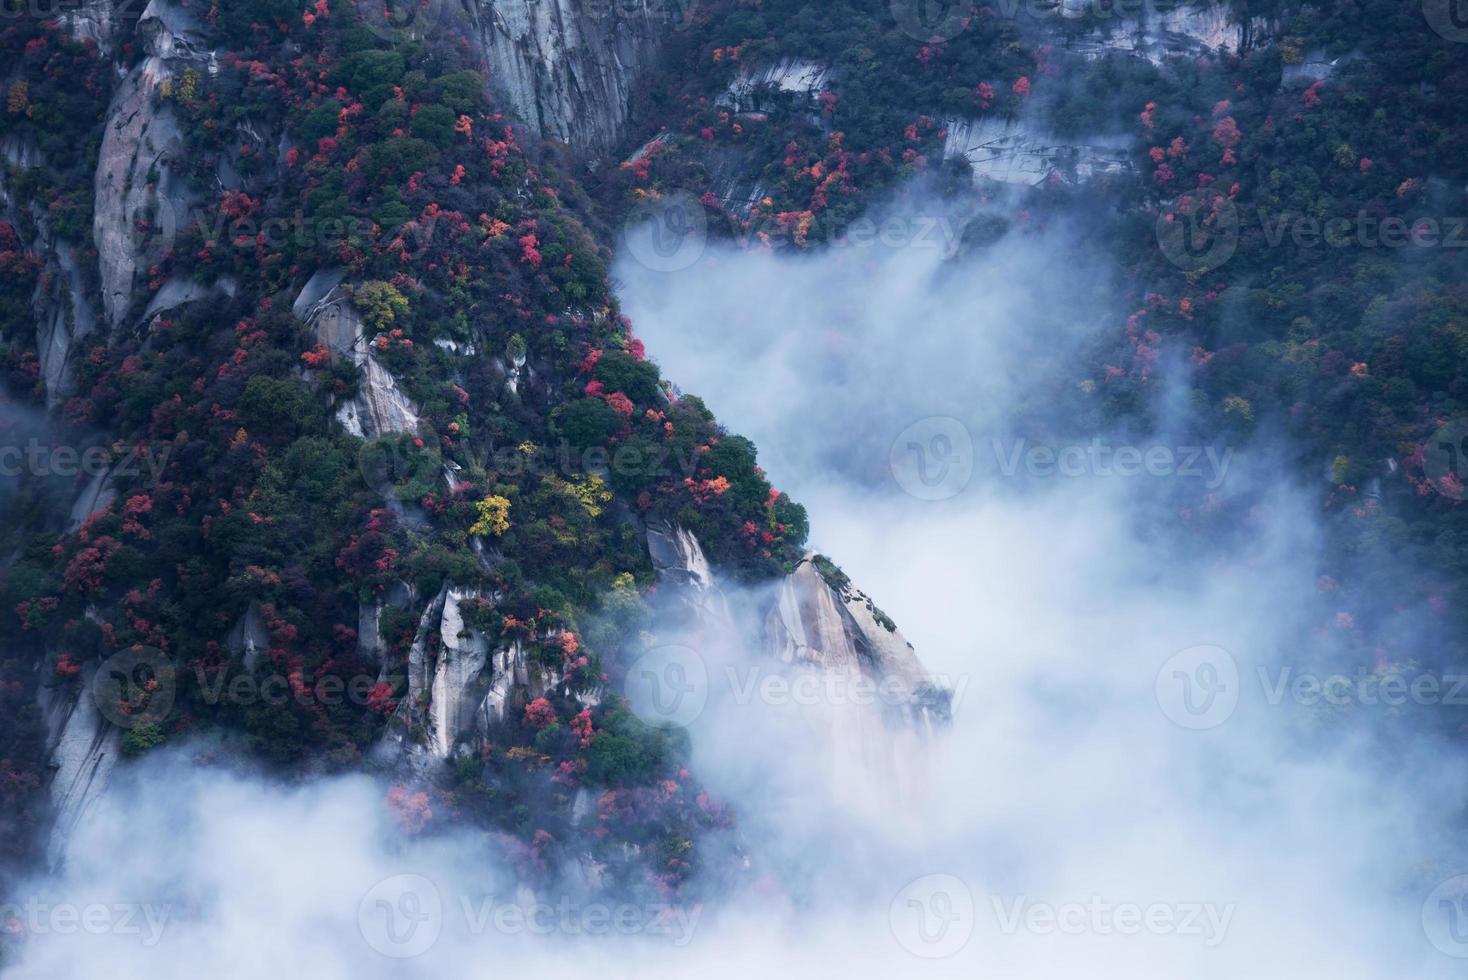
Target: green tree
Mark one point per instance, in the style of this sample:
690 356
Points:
434 123
379 302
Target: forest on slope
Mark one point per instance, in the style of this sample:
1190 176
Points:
310 140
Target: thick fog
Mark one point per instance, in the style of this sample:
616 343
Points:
898 387
1140 779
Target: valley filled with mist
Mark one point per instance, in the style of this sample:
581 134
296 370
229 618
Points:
690 488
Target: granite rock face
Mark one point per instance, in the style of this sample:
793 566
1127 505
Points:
813 619
141 202
460 684
380 407
84 748
569 66
820 620
1014 151
871 714
1159 31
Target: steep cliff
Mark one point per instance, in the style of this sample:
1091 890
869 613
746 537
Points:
141 199
60 303
462 685
1158 32
680 564
569 66
870 715
820 619
1019 152
814 618
84 749
379 407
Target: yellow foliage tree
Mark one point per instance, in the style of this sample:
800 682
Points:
380 303
1238 407
494 516
188 85
592 492
18 100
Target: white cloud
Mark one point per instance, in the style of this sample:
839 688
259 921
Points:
1092 835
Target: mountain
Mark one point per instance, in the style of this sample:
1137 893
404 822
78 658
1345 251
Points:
376 475
336 452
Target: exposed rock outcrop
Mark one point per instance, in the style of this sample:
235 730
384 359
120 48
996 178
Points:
369 632
680 563
870 727
84 748
1018 152
568 66
89 20
59 302
63 317
249 637
815 619
178 292
514 371
754 89
820 619
140 201
731 181
99 494
462 655
1164 30
1316 65
380 407
459 684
